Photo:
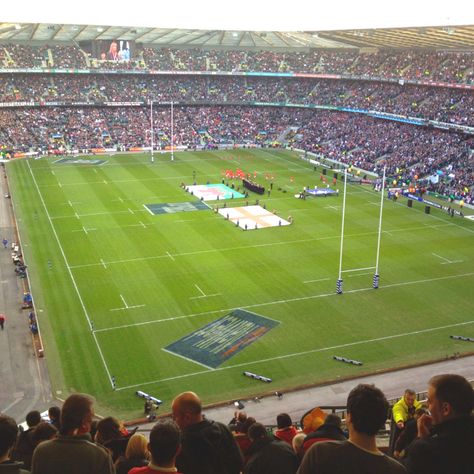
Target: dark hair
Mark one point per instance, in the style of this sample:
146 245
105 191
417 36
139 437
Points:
165 439
107 429
8 433
33 418
42 432
75 410
54 413
333 420
284 420
409 391
257 431
244 427
368 408
455 390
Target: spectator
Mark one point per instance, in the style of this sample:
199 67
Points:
408 433
267 455
8 437
446 436
42 432
241 436
136 454
285 429
330 430
402 411
208 447
73 451
164 445
25 445
367 410
111 434
54 414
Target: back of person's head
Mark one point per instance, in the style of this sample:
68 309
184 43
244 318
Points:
137 447
54 413
187 409
43 431
33 418
455 390
333 420
368 409
165 441
284 420
297 442
8 434
244 427
108 429
77 413
257 431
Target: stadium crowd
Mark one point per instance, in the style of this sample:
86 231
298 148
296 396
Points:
70 440
443 66
432 103
353 139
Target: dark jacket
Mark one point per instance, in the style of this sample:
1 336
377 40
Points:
208 447
323 433
267 456
448 449
23 450
12 467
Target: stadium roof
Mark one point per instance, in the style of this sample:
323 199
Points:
441 37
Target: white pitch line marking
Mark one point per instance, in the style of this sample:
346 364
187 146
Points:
120 199
131 212
360 274
124 302
336 208
199 289
290 300
357 269
60 185
452 261
54 174
70 203
89 322
85 230
105 182
77 215
204 296
148 209
142 224
170 256
103 263
446 260
314 281
299 354
95 171
229 249
187 358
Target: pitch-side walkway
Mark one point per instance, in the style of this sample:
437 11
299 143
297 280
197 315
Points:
24 383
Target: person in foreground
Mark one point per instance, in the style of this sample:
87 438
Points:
367 410
8 437
207 447
445 443
73 450
164 446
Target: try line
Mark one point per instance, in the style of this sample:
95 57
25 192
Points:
298 354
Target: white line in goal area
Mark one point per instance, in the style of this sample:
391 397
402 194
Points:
298 354
72 276
276 302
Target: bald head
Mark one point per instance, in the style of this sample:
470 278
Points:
187 409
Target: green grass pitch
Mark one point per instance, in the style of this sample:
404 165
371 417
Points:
97 257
